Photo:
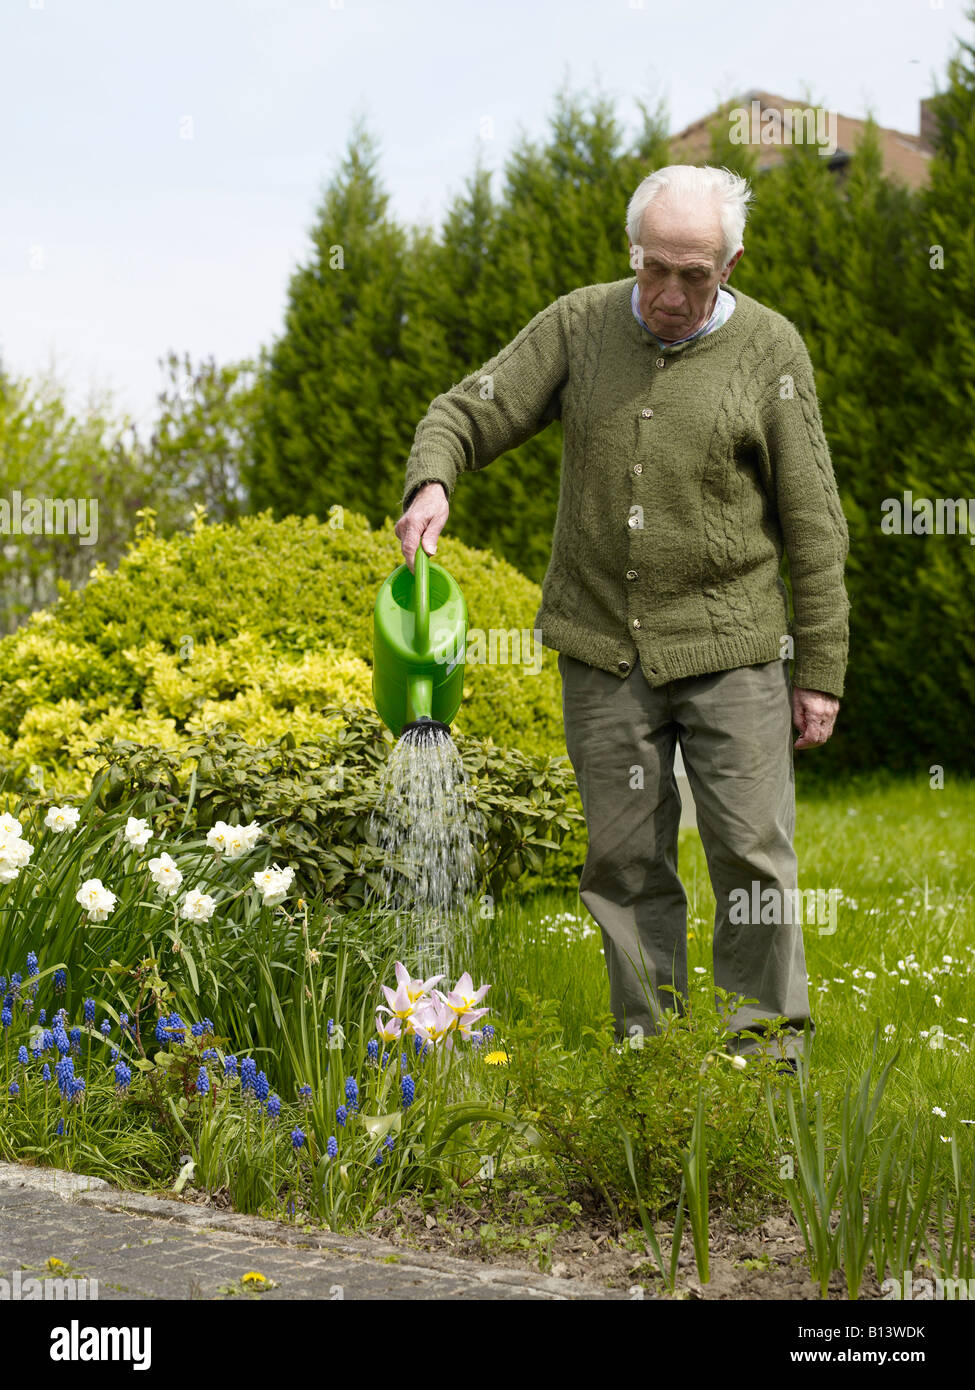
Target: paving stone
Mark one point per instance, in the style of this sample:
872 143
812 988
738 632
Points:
142 1247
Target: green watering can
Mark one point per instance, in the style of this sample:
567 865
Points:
419 645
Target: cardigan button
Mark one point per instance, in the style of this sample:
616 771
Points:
636 622
631 574
638 468
661 361
623 666
647 413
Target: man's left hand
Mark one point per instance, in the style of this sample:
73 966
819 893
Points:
814 714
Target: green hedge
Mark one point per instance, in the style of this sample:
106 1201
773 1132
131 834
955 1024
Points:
259 626
315 800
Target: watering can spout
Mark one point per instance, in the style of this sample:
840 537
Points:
419 640
419 698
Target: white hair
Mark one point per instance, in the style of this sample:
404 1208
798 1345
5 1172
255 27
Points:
689 183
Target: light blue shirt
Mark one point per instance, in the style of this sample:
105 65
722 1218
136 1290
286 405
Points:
724 307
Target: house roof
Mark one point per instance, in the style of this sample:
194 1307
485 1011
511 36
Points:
905 157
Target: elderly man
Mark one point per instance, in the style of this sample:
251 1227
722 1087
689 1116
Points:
693 455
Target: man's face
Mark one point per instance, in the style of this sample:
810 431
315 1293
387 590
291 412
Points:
682 251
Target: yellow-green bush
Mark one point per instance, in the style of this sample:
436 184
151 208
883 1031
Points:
258 625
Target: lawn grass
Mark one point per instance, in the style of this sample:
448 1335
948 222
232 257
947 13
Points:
903 858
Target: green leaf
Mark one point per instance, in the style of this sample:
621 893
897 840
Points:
378 1126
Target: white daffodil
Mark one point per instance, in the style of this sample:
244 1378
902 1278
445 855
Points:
217 837
165 875
233 841
62 818
15 852
137 832
274 884
198 907
97 900
253 833
238 841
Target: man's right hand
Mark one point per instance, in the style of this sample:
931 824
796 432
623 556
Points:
423 521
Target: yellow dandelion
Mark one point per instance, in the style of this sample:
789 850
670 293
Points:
496 1059
254 1277
54 1264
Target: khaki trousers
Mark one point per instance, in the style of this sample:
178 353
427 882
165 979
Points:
736 734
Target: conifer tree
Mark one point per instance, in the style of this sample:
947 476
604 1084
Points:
330 432
934 625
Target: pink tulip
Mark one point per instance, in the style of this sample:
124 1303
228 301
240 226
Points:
400 1003
389 1029
414 988
463 996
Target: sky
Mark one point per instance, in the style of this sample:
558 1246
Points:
162 163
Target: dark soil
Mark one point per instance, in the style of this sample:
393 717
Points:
756 1259
765 1261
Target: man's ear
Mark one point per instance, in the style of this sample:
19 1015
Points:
726 273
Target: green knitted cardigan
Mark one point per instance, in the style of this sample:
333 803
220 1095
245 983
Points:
686 474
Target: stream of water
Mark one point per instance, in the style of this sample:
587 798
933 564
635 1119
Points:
427 825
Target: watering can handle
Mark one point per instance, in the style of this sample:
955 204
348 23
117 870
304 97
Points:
421 597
